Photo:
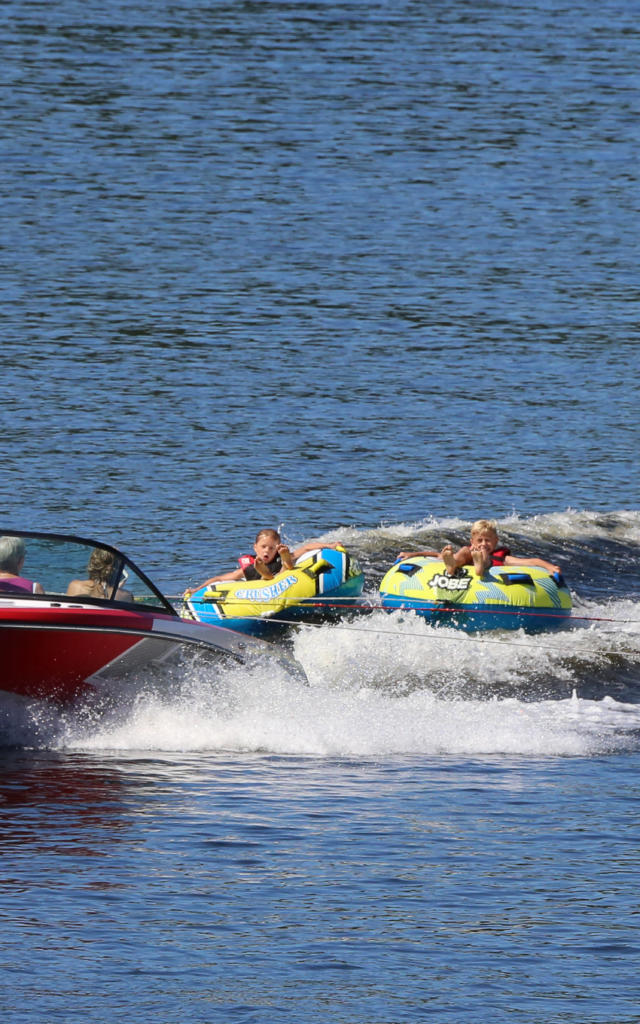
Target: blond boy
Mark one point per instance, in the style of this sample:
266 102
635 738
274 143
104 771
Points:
483 551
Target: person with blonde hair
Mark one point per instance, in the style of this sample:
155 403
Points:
100 572
483 551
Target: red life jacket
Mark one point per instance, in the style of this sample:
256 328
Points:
246 563
498 556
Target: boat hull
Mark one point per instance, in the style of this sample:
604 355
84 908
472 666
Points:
61 654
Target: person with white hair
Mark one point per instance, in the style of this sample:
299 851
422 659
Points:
12 555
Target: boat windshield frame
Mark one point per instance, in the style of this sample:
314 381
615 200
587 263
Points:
122 564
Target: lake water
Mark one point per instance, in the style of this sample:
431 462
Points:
367 271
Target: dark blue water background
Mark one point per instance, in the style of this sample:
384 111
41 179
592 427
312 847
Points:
367 270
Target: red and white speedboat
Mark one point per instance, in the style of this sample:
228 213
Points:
64 631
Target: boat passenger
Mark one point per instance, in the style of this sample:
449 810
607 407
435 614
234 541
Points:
483 552
99 584
271 557
12 555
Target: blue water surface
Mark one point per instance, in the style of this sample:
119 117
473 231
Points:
365 270
321 264
197 890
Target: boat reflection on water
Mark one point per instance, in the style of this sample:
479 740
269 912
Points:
49 801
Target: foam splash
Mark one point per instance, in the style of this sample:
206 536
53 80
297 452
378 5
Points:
383 685
566 536
276 717
371 693
622 525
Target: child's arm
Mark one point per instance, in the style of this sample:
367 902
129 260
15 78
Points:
513 560
309 546
418 554
237 574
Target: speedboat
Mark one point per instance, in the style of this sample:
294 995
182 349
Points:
505 597
64 632
322 584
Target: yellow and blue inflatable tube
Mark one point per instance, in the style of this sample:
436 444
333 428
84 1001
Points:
505 597
320 584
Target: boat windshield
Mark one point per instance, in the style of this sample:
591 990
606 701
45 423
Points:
72 569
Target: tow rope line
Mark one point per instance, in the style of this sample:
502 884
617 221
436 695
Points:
435 635
365 608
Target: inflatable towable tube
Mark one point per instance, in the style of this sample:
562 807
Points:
320 583
505 597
